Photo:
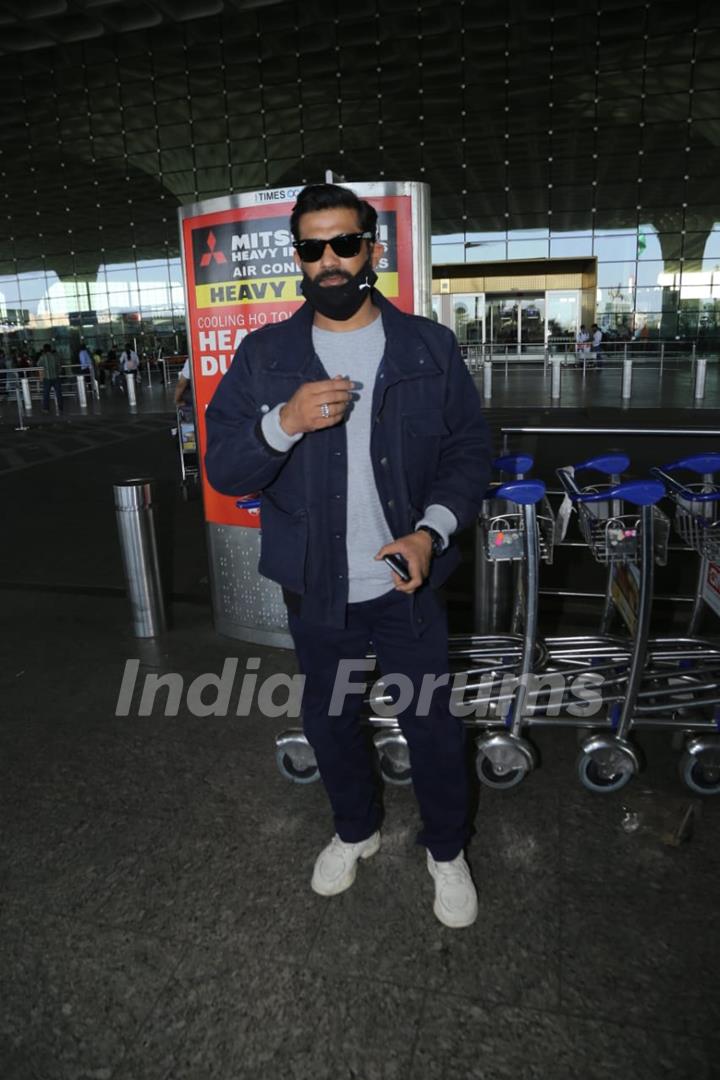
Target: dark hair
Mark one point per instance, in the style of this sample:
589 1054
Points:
328 197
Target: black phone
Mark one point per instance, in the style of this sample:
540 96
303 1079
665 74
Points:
399 564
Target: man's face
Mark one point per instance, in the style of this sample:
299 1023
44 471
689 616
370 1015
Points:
330 269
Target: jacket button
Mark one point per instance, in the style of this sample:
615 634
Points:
337 453
384 462
390 504
336 496
338 536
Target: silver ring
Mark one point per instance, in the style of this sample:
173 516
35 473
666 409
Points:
325 410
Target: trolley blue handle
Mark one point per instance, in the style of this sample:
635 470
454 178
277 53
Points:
677 488
522 492
697 463
637 492
606 463
248 503
514 463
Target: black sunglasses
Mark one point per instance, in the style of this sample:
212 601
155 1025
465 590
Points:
345 246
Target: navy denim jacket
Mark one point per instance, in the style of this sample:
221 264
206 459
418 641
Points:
429 444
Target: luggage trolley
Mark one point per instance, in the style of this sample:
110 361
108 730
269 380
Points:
517 525
187 449
693 686
626 532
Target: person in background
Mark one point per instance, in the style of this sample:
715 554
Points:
10 364
597 339
183 387
98 365
582 344
50 363
130 362
86 361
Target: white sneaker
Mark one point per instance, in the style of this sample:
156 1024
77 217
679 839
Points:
455 895
336 865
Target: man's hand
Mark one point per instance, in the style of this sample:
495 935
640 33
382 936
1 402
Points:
316 405
416 548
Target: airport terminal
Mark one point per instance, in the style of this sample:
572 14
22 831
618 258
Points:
544 180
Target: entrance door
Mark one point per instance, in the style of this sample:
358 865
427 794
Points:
515 320
501 320
467 317
532 321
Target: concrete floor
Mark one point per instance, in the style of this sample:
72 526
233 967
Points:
156 921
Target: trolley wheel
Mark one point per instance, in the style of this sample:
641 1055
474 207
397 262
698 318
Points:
595 778
701 772
501 781
394 771
296 766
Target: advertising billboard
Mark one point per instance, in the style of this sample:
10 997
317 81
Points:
240 275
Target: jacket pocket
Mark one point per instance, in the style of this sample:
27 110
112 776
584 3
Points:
422 434
425 422
283 545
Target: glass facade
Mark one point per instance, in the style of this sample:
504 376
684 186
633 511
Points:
555 131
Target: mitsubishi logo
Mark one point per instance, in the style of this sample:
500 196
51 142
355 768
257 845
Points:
212 253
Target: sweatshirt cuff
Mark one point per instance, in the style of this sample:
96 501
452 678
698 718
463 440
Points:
442 520
273 433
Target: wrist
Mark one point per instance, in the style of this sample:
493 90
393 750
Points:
437 545
286 422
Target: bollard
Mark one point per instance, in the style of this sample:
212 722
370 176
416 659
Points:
487 379
81 391
556 378
166 378
627 379
95 388
130 384
136 529
27 400
700 372
21 424
149 375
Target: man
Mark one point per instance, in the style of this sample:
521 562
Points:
597 339
130 362
49 362
183 387
362 428
85 360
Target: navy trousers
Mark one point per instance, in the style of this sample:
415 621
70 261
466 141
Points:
436 741
47 386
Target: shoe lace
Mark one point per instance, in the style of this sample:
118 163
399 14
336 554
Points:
454 872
